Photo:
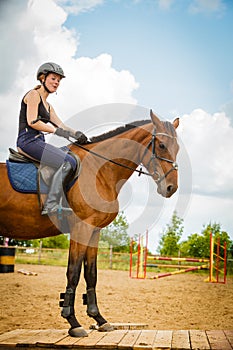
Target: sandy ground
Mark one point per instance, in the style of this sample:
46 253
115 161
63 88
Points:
176 302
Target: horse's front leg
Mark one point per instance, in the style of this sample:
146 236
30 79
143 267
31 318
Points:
76 257
90 275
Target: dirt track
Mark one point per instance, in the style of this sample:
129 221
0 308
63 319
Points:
175 302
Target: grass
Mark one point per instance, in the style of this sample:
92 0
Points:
106 260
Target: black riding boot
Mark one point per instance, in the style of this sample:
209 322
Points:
53 202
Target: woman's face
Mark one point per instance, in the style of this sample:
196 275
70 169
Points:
53 81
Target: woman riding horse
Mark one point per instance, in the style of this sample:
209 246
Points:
107 162
37 117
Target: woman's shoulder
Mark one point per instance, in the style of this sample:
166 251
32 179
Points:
32 95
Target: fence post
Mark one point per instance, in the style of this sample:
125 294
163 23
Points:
40 251
211 278
110 257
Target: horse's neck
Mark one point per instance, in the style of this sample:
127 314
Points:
125 149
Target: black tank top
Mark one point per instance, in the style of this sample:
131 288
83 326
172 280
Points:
42 112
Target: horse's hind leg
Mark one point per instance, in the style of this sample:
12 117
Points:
90 275
76 257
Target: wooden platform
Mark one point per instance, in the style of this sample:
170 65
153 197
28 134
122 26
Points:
121 339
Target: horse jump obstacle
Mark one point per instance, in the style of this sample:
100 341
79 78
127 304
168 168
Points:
215 261
213 264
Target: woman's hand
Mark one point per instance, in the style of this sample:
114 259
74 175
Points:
80 137
62 132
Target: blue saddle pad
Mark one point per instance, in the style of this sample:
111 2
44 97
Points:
23 177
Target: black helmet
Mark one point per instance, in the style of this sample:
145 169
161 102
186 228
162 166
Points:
50 67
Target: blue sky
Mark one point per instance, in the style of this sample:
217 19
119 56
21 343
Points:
174 56
181 59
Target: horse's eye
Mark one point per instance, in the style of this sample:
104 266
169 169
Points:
162 146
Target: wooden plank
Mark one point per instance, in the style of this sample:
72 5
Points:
90 341
68 341
111 340
119 340
218 340
199 340
10 334
50 336
28 337
145 340
229 335
130 338
163 340
180 340
125 326
13 337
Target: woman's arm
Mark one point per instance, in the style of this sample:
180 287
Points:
78 135
57 121
32 99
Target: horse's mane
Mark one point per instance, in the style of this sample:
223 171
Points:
118 130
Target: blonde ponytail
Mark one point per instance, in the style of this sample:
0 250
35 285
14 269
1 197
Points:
41 77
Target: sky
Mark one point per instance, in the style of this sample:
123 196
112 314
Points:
172 56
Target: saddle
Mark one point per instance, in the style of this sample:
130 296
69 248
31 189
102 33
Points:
29 176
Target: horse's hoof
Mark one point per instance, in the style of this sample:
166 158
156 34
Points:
77 332
106 327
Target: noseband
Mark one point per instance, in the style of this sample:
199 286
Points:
154 157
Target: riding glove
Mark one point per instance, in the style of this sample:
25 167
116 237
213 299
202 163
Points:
80 137
62 132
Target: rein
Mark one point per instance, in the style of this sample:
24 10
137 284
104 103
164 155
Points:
152 160
113 161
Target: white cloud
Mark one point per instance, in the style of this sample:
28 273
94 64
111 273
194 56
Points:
209 143
207 6
89 81
196 6
165 4
75 7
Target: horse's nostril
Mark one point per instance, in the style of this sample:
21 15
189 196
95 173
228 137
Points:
169 188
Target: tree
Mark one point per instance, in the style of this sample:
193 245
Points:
61 242
169 242
116 234
198 245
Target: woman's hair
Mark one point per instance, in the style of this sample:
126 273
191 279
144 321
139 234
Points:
42 76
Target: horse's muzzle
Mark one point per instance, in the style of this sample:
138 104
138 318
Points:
167 190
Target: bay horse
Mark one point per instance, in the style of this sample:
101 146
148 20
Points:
107 162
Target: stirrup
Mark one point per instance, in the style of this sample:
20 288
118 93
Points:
56 210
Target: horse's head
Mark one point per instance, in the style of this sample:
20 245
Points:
160 155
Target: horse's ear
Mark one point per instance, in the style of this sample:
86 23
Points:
176 123
154 118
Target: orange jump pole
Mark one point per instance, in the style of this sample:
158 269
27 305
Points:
164 258
179 271
141 255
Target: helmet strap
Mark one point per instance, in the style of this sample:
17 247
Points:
44 85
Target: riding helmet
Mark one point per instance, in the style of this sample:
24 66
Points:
50 67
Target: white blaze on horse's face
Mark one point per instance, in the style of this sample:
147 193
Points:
164 152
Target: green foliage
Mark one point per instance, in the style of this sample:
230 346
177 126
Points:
62 242
198 245
169 242
116 235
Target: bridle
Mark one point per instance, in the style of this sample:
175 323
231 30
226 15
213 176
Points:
154 156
